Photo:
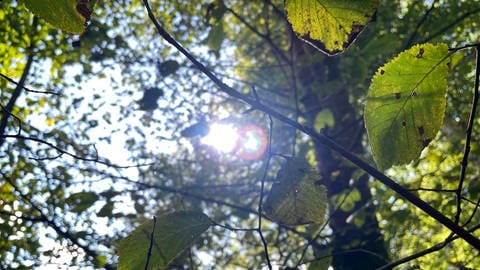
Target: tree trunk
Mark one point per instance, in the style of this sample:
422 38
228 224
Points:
357 242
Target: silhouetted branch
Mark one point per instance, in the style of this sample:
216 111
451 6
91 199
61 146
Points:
468 138
275 48
26 88
18 90
64 152
152 235
419 24
319 138
260 203
424 252
450 25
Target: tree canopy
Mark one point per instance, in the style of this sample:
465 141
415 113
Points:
225 134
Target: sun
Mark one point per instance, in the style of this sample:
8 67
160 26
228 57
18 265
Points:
222 137
247 142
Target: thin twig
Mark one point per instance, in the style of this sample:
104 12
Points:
424 252
419 24
450 25
227 227
293 71
60 150
152 235
309 243
465 46
466 151
270 42
319 138
51 222
26 88
260 203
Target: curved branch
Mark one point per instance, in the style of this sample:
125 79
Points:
319 138
64 152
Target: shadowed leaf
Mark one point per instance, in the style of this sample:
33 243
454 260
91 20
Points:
173 234
298 197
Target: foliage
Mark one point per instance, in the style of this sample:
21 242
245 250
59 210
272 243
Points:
298 196
406 104
171 234
331 26
69 15
103 130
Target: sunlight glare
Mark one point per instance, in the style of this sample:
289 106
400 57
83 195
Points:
222 137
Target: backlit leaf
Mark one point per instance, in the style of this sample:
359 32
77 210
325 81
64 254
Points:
329 25
406 103
215 38
173 234
297 197
68 15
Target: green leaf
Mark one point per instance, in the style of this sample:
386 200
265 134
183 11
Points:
173 234
81 201
324 119
324 259
297 197
106 210
406 103
69 15
215 38
329 25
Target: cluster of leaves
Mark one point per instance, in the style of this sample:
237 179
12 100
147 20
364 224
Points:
404 111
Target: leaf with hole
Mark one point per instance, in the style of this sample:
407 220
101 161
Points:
69 15
330 25
406 103
297 197
173 234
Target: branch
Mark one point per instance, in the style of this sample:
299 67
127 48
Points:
18 90
469 130
279 52
26 88
321 139
50 222
424 252
260 203
450 25
64 152
468 138
419 24
149 253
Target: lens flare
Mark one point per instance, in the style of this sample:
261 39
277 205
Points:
252 142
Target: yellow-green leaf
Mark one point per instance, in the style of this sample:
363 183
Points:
173 234
406 103
329 25
297 197
69 15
